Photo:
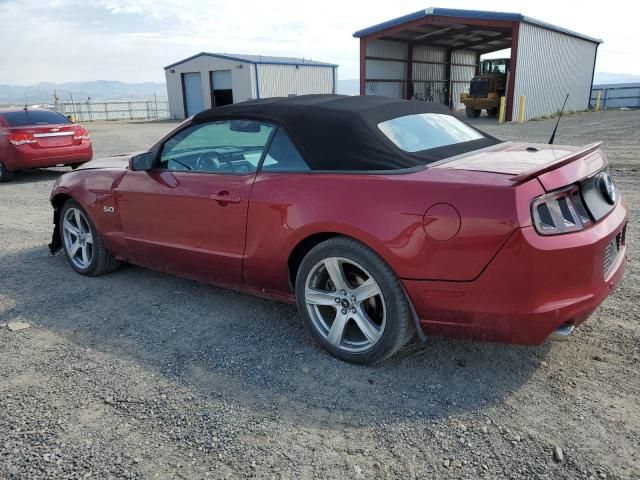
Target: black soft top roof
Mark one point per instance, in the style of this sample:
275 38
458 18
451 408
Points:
338 132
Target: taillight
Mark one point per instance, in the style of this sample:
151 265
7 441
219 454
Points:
80 133
561 211
21 138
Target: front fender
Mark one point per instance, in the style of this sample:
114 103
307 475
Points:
94 191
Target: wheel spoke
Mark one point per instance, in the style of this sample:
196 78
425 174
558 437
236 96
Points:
74 248
68 226
334 269
88 237
85 254
367 290
337 329
78 220
320 297
369 329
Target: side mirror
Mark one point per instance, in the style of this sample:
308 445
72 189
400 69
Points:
141 162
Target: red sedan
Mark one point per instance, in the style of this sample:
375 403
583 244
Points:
379 217
36 138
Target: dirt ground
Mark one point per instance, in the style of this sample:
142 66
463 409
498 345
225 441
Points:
139 374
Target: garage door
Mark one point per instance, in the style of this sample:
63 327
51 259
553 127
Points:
222 89
193 99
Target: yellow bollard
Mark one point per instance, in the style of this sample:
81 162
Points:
521 110
598 101
501 111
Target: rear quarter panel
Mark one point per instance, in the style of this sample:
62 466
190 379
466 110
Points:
385 212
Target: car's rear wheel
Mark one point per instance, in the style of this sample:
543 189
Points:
352 301
492 112
5 175
82 244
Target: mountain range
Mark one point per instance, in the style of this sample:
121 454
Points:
112 90
97 90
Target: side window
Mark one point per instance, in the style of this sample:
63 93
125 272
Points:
226 146
283 155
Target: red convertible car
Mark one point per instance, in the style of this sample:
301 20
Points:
37 138
379 217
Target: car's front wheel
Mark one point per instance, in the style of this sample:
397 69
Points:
82 244
352 302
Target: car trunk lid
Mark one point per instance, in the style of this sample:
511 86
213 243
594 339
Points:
555 166
48 136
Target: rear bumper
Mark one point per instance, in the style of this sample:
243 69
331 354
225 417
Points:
534 286
24 156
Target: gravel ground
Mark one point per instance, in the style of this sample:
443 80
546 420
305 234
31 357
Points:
143 375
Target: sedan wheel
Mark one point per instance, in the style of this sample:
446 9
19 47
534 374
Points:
346 304
82 243
5 175
352 302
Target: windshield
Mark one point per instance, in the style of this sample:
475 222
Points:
424 131
495 66
25 118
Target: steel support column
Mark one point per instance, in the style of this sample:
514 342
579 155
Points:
447 96
408 86
511 83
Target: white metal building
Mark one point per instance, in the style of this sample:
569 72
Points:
206 80
436 52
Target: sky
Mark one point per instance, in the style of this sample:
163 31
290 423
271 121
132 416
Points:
131 41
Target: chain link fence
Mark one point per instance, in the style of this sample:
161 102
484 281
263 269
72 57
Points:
89 110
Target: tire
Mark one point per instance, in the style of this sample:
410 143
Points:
76 165
473 112
383 309
89 257
5 175
492 112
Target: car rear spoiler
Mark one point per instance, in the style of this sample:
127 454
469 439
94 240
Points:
557 163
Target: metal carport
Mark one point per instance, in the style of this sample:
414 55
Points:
438 50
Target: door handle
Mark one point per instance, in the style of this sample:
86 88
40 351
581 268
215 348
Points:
225 197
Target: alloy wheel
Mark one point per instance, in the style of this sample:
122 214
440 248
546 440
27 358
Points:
346 304
78 239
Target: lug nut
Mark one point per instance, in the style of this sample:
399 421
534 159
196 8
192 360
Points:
353 298
343 292
344 311
353 310
337 299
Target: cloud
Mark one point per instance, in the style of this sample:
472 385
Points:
131 40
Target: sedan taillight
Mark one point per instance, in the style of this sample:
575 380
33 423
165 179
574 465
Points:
561 211
21 138
80 133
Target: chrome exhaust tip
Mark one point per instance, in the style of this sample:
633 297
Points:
562 333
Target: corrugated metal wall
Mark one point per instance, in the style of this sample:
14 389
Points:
284 80
463 69
429 70
429 78
551 64
242 79
379 69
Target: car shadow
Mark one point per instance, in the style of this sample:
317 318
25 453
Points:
38 175
255 351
